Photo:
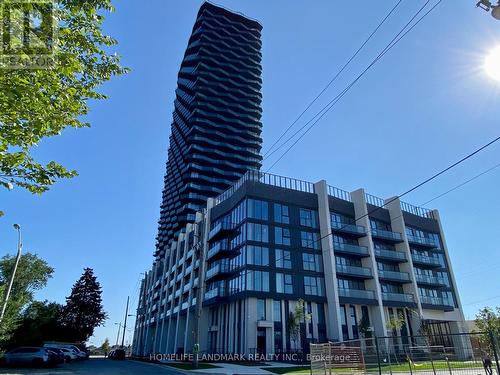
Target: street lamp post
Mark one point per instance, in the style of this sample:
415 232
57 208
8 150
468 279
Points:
11 281
488 6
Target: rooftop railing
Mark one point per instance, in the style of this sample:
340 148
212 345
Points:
374 201
419 211
339 193
267 179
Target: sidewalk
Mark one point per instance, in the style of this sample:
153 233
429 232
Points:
232 368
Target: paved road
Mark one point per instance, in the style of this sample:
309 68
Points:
99 366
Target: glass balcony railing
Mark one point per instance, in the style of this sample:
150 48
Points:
357 230
356 293
390 254
218 269
394 275
387 235
214 293
426 260
351 249
354 270
219 247
421 240
219 230
398 297
431 280
436 301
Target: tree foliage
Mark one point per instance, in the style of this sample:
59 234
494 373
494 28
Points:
40 103
83 311
294 319
105 347
39 322
488 320
32 274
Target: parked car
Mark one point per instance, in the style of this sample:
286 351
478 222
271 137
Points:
69 355
77 353
117 354
58 353
30 355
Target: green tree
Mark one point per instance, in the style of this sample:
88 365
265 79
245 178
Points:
105 347
488 322
294 319
40 103
32 274
39 322
83 311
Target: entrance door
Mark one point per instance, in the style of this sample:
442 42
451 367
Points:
261 340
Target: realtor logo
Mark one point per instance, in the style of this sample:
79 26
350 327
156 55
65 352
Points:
28 34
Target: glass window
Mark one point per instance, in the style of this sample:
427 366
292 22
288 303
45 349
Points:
309 240
282 236
261 309
313 286
312 262
257 232
257 209
354 322
281 214
257 255
258 281
283 258
343 320
284 283
308 218
277 311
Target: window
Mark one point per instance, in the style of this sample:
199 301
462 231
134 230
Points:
284 283
257 255
391 288
343 320
257 232
350 284
283 258
341 219
380 225
308 218
261 309
313 286
258 281
309 240
312 262
281 214
354 322
257 209
282 236
277 311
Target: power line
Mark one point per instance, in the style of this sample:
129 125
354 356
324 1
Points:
336 76
402 33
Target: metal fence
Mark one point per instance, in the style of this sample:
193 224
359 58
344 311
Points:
448 354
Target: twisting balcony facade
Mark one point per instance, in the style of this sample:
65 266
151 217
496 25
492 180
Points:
216 127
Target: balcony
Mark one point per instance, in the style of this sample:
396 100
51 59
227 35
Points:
219 269
186 288
356 293
361 272
436 301
387 235
431 280
215 293
398 297
221 230
343 248
422 241
188 270
393 255
425 260
397 276
219 248
352 229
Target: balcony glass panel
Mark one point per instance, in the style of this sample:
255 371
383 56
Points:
390 254
387 235
348 228
430 279
398 297
421 240
428 260
394 275
353 270
356 293
350 249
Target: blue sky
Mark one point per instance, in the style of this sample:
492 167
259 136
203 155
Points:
424 106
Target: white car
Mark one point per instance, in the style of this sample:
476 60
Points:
69 354
27 355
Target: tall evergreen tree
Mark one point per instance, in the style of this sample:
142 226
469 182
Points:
84 311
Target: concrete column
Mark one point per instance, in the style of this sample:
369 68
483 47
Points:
393 205
361 213
333 323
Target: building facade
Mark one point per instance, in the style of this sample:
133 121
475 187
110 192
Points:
234 275
216 127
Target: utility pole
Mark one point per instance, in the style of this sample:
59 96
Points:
125 325
18 257
118 335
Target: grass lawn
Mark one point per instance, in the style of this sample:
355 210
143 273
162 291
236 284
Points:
189 366
403 367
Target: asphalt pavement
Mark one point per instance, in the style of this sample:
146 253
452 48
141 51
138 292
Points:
98 366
